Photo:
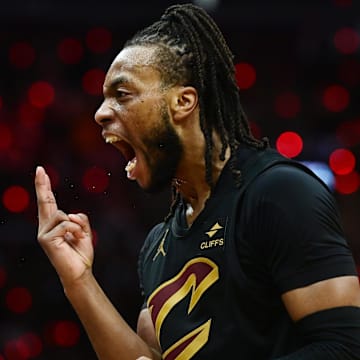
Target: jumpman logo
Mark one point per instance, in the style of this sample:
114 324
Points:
161 249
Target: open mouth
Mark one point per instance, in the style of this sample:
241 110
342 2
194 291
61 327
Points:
126 150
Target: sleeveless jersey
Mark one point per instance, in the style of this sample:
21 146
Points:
213 290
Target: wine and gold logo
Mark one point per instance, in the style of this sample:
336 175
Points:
197 276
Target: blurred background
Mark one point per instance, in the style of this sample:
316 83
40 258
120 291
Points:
298 68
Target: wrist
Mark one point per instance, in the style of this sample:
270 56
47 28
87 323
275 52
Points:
83 284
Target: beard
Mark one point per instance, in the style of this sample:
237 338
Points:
164 153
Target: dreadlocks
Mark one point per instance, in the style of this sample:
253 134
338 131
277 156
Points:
191 50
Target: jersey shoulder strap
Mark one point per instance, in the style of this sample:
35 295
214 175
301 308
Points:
261 161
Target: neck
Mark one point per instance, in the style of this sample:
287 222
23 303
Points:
192 185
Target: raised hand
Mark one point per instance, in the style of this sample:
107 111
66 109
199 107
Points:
65 238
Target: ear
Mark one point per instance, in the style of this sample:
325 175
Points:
183 103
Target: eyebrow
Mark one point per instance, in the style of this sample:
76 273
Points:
119 81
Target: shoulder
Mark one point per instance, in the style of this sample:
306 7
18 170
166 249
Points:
292 220
286 182
289 201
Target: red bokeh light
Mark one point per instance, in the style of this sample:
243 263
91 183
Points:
95 180
347 184
245 75
16 350
3 277
289 144
347 40
85 138
336 98
33 343
65 333
70 51
348 132
342 161
41 94
287 105
28 346
18 300
99 40
93 80
6 137
29 115
16 199
21 55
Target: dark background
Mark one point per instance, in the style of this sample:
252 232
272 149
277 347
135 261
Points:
53 56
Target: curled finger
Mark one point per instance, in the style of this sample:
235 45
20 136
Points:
82 220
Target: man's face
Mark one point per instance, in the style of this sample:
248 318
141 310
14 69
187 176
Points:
136 119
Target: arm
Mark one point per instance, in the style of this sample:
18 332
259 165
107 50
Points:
328 316
146 330
66 239
326 294
310 263
110 335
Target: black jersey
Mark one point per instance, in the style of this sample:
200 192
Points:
214 289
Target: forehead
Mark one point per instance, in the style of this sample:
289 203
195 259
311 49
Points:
134 62
138 55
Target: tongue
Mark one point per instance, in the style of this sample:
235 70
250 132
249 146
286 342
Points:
130 167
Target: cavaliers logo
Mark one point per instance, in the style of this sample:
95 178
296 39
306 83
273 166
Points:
195 278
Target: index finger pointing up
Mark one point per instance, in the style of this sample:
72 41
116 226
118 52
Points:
45 197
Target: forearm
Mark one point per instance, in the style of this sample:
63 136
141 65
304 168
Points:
112 338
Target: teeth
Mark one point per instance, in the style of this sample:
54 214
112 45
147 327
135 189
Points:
130 165
112 139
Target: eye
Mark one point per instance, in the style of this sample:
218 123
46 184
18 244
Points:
121 95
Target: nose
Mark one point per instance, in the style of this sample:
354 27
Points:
103 114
